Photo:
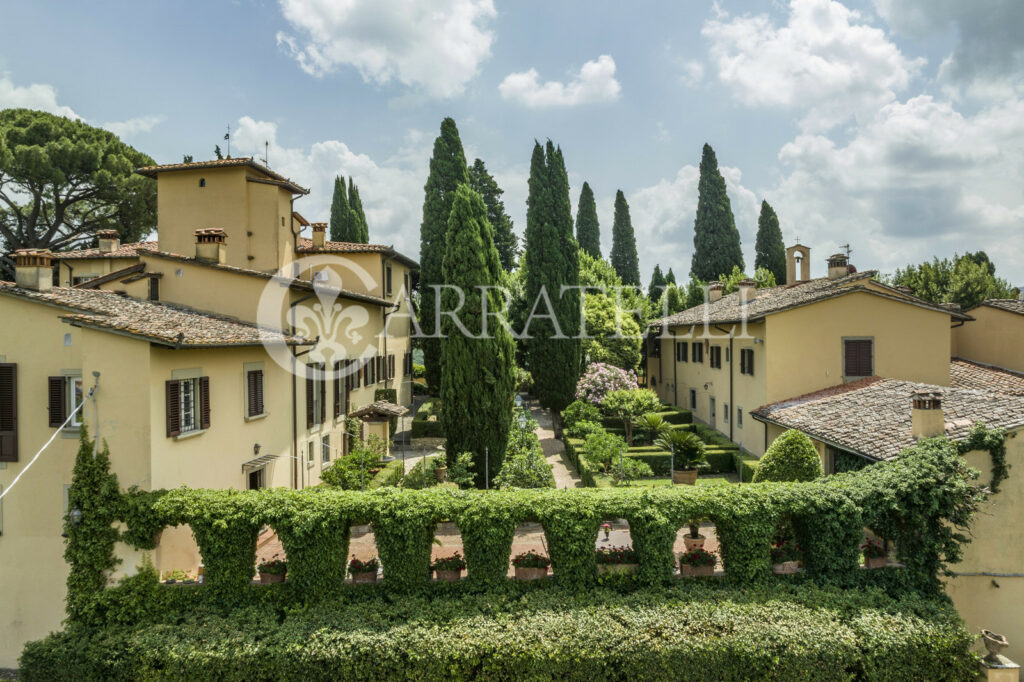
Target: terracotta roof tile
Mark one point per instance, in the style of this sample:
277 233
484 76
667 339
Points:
306 246
967 374
1011 305
123 251
162 323
872 417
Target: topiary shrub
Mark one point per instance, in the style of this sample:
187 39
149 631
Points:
579 411
791 457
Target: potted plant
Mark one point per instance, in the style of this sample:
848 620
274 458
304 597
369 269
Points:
875 555
607 528
688 454
697 562
272 571
531 566
615 560
441 471
363 571
786 557
448 568
693 539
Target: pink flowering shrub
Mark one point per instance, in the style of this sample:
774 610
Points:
601 379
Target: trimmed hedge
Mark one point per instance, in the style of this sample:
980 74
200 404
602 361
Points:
745 465
421 427
695 631
574 450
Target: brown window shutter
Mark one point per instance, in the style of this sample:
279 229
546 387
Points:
391 366
309 397
173 391
750 362
857 358
204 402
57 400
259 392
336 387
8 412
323 392
255 392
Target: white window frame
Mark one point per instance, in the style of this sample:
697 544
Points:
75 396
189 404
310 450
739 417
325 449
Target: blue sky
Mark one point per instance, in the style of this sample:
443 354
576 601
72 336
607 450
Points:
894 126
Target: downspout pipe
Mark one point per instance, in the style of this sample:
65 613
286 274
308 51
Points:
295 398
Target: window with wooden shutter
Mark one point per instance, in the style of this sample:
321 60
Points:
8 412
391 366
57 400
336 386
173 391
254 391
857 360
323 392
204 403
309 397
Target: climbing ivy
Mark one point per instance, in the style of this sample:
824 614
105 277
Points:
993 440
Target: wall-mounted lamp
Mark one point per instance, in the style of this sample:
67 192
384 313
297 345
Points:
75 516
256 448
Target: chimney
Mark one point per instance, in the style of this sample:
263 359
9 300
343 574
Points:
33 269
319 235
926 416
211 246
714 291
798 254
748 290
838 266
108 240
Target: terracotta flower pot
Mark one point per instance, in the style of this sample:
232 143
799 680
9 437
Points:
528 573
448 576
693 543
696 571
786 568
364 577
268 578
876 561
606 569
440 473
684 476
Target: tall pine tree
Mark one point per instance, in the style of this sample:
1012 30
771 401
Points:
657 286
552 261
716 241
360 229
588 231
769 249
623 255
340 218
670 277
505 239
477 371
447 172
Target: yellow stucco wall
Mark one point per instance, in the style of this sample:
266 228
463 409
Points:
995 337
73 268
805 351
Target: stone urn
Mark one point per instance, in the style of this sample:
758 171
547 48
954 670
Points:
689 571
440 472
684 476
994 644
448 576
786 568
691 543
531 573
364 577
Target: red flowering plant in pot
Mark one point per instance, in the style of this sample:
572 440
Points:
448 568
697 562
530 565
363 571
273 571
615 560
786 557
875 555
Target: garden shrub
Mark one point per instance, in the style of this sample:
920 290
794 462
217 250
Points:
390 475
600 379
628 405
630 469
352 471
525 469
600 449
582 429
422 475
791 457
579 410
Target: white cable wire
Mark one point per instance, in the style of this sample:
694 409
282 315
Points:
33 460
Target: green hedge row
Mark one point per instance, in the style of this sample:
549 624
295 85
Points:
421 426
574 450
697 632
745 465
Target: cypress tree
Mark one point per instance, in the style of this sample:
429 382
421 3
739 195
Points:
623 255
552 261
478 371
670 278
771 252
716 241
360 231
447 172
588 231
339 212
505 239
657 286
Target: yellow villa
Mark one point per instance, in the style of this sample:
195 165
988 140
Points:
228 353
996 337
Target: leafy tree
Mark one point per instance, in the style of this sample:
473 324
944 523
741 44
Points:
525 465
967 280
447 172
187 158
657 286
616 335
588 231
674 301
61 181
670 277
603 448
696 290
578 411
623 254
477 361
627 469
770 252
790 457
627 405
360 229
598 273
716 241
762 278
552 263
505 239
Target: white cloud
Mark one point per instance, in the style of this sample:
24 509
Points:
824 62
437 46
595 82
691 72
917 180
36 96
134 126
